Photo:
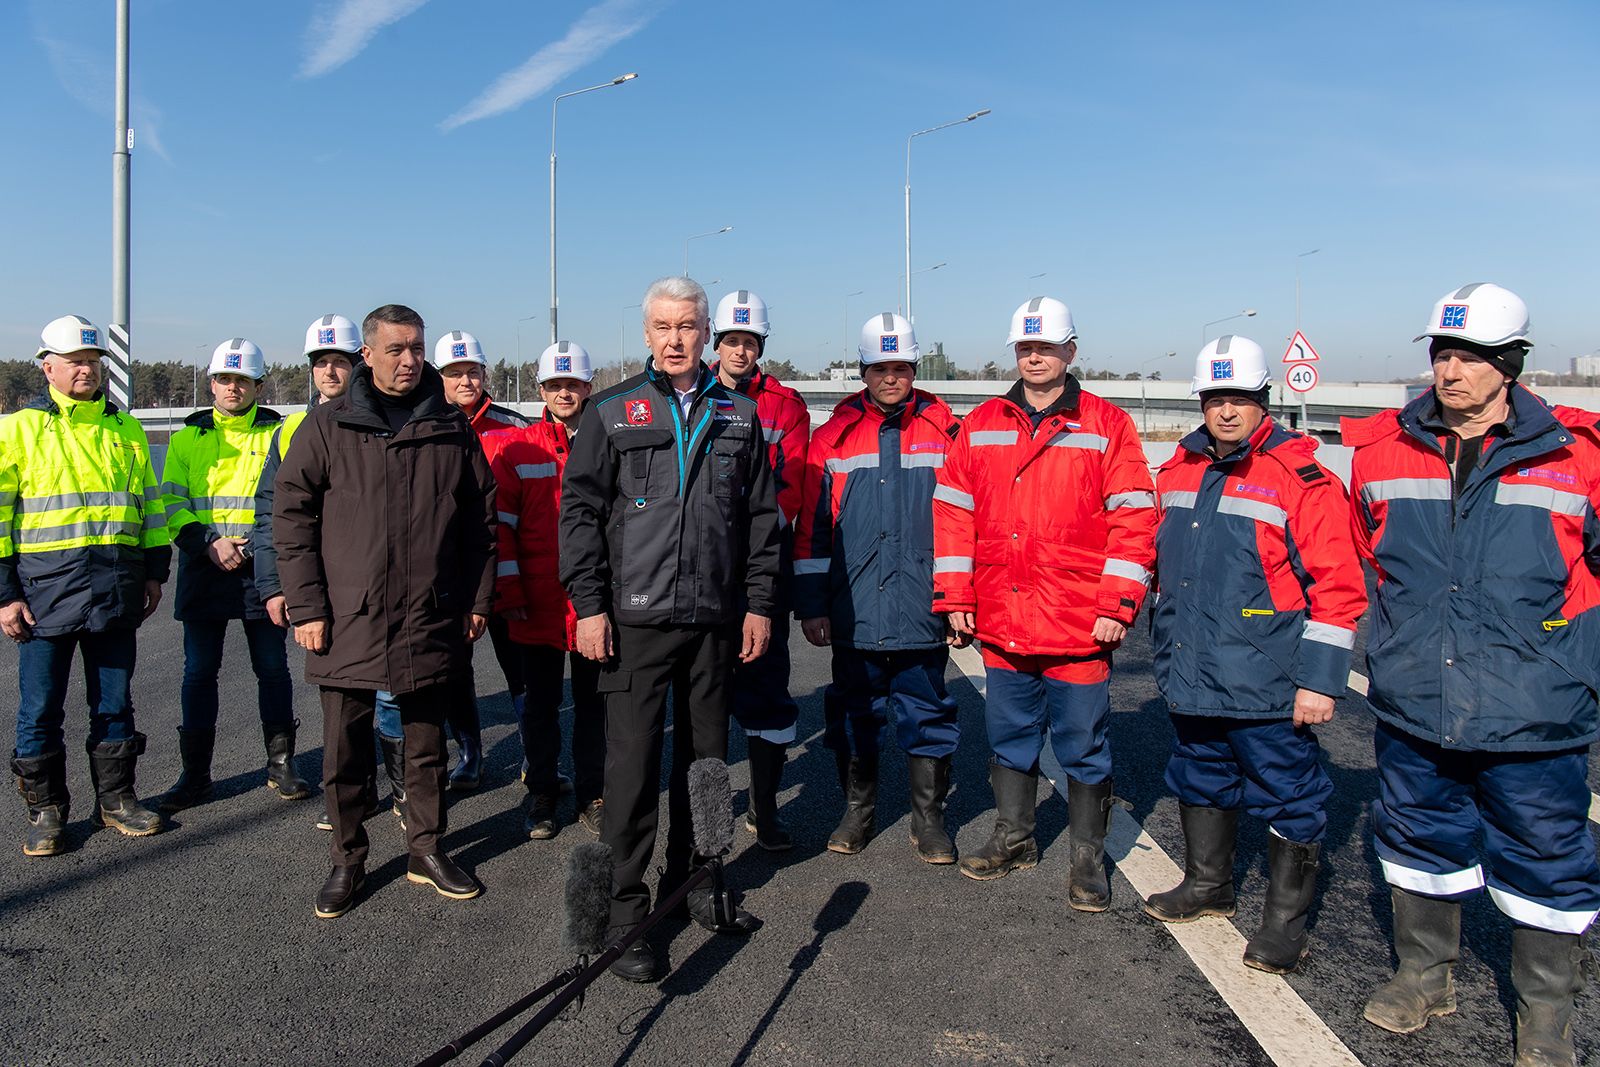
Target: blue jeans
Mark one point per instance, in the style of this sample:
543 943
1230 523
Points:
44 665
387 715
202 662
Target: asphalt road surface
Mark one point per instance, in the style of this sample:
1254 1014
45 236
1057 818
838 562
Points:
199 946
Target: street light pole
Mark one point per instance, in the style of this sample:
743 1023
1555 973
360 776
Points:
696 237
1297 260
914 136
847 297
1144 398
1245 314
119 363
576 92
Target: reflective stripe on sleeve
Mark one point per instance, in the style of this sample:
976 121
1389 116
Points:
1139 499
1259 510
771 434
811 566
836 464
43 535
507 569
952 564
1544 497
1123 568
954 497
507 518
532 471
1179 498
1406 489
59 501
222 503
1329 634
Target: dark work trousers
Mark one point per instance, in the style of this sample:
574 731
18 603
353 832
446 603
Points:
649 660
348 761
542 668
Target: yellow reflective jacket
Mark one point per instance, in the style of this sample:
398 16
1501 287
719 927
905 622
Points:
82 518
265 556
212 471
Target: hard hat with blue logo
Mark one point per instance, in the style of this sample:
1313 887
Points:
740 311
1042 319
1482 314
333 333
565 359
70 333
238 356
888 338
457 346
1230 364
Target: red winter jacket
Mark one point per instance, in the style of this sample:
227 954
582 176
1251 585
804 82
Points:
528 465
490 416
1040 532
786 427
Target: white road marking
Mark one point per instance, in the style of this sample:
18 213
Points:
1284 1025
1358 684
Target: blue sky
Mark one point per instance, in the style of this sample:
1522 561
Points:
1161 164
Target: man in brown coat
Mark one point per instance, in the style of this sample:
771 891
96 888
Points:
383 518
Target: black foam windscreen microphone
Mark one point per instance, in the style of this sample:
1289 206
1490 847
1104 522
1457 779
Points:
588 899
711 807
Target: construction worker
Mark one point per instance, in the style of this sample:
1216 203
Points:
383 517
527 465
762 704
1044 524
332 345
210 478
669 527
863 583
1479 507
1258 593
83 552
459 359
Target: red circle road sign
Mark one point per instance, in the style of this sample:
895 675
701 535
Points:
1302 377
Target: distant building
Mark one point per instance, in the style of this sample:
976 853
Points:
1586 366
935 364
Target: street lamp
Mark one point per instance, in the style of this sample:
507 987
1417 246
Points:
1035 277
1247 313
696 237
914 136
847 297
520 321
622 340
1144 399
576 92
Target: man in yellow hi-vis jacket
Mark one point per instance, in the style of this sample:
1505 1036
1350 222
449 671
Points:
213 468
83 553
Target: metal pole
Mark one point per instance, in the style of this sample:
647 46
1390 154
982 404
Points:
553 312
908 227
1297 260
119 368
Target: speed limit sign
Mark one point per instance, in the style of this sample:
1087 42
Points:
1302 377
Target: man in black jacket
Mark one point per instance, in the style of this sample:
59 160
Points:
669 550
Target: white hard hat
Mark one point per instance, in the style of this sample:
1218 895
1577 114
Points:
70 333
1042 319
457 346
565 359
887 338
238 356
333 333
1482 313
1234 363
740 311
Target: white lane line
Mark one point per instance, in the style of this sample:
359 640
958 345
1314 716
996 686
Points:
1284 1025
1358 684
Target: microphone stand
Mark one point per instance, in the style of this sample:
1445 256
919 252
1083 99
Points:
574 988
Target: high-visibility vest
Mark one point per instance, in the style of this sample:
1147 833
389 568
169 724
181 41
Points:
213 468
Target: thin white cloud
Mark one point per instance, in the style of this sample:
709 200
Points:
596 30
338 33
87 77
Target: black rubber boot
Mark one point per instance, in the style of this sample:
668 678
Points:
861 805
42 781
1547 973
1427 938
767 759
1088 819
468 773
111 765
1207 886
394 764
281 776
193 786
1281 942
930 784
1011 846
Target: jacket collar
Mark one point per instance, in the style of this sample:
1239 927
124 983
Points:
55 402
212 419
362 408
1067 401
1265 438
659 379
1530 420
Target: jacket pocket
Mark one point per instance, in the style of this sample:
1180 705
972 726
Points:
347 600
729 458
647 466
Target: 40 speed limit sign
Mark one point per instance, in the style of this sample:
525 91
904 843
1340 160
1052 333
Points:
1301 377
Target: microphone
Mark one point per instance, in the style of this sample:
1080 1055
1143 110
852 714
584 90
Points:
711 807
588 911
